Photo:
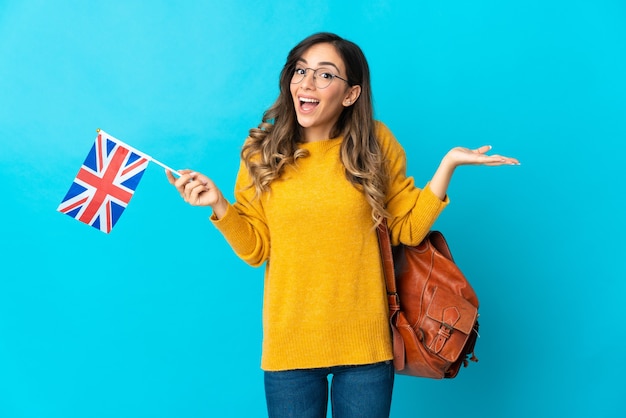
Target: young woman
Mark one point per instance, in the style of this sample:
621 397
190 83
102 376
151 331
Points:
317 175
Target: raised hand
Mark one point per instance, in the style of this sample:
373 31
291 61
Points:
465 156
459 156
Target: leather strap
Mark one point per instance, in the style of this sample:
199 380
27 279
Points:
387 257
386 253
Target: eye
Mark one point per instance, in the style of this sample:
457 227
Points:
300 71
326 75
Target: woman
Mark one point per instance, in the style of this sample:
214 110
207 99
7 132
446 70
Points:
317 175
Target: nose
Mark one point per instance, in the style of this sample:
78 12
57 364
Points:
309 80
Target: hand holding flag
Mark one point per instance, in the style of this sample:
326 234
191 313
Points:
199 190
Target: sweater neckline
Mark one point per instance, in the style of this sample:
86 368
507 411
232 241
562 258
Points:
321 145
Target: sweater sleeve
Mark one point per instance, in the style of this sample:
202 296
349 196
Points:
244 225
413 211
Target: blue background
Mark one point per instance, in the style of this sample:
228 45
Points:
160 319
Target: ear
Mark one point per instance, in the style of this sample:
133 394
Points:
353 94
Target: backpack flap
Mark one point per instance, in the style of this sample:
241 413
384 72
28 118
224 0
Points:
448 322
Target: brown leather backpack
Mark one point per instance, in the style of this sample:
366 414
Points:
433 309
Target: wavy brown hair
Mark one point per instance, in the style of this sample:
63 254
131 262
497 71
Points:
274 143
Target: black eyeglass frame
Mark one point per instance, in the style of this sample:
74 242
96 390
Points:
315 70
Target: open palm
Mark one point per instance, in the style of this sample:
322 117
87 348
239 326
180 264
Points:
465 156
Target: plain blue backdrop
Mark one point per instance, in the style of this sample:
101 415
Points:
160 319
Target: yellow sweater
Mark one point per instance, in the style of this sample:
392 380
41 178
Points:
324 296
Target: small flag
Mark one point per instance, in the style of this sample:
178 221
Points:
105 183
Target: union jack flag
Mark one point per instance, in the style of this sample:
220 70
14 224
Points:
105 183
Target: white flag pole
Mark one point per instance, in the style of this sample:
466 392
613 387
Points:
140 153
164 166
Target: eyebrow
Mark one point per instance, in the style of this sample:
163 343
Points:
321 63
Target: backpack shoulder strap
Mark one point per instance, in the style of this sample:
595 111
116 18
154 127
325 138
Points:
388 270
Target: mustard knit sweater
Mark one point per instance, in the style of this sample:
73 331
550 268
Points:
324 297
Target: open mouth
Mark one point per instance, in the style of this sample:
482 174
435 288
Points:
307 104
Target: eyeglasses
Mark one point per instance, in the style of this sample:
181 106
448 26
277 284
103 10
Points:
322 77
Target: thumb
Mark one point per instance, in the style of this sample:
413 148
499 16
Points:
484 149
170 176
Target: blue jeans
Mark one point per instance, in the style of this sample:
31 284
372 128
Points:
356 391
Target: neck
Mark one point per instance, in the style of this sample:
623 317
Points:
314 135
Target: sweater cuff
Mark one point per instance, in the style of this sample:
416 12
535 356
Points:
434 199
223 222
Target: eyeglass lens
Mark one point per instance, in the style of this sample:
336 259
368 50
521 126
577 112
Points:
322 77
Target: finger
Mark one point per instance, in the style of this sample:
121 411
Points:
502 157
501 160
170 177
484 149
192 184
196 192
181 182
188 186
186 177
202 178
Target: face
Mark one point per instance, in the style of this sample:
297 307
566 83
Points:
318 109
